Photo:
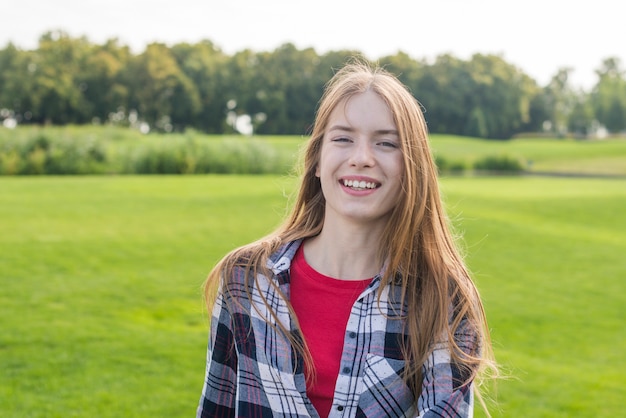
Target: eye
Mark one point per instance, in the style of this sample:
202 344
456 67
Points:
390 144
341 139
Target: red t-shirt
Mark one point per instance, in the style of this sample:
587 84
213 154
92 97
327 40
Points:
323 306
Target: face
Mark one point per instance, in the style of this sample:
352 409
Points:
360 166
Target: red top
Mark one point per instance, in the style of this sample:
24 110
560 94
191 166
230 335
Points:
322 305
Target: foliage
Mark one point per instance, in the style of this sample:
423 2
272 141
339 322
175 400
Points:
103 313
194 156
173 88
75 150
445 165
484 97
609 96
43 154
499 163
163 95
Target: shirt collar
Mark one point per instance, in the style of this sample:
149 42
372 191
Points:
280 260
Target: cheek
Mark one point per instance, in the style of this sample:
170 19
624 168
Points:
395 167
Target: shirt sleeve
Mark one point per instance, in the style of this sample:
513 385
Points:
443 392
220 383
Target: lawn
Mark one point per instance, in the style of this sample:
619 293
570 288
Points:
103 315
102 309
548 256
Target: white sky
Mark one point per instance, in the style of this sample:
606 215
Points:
538 36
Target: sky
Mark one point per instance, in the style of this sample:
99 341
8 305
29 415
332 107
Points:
537 36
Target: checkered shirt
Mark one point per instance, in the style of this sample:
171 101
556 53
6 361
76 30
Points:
252 370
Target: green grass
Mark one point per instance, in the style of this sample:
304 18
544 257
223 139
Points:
548 256
103 316
102 309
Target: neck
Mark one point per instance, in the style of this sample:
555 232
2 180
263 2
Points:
346 252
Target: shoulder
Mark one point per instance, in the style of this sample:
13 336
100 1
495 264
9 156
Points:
265 258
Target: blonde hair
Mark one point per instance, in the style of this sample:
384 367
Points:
417 242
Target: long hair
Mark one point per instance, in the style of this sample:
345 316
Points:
417 242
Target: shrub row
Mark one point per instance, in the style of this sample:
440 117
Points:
498 164
201 157
115 151
43 153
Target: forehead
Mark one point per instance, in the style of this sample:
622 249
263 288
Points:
367 111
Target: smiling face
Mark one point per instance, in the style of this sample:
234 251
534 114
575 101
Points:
360 165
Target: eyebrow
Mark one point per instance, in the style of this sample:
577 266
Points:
351 129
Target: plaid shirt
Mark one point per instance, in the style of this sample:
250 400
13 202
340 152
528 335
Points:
251 370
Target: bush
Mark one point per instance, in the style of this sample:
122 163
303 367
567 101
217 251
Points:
501 163
43 154
195 156
447 166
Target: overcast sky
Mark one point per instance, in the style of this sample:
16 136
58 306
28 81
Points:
538 36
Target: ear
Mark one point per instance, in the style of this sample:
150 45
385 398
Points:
317 170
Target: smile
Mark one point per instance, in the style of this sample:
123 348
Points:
359 185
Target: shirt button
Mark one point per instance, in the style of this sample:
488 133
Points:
352 335
340 408
346 370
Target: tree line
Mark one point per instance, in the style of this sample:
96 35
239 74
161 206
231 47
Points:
70 80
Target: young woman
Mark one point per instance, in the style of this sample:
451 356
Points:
359 305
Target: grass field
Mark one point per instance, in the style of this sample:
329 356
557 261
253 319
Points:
102 312
548 256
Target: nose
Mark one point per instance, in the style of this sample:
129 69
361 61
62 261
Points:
362 155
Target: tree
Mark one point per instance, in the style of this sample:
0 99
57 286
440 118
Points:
477 124
70 80
205 65
608 96
581 116
501 95
101 78
13 80
560 99
288 90
408 70
162 94
240 87
538 111
56 94
484 97
444 90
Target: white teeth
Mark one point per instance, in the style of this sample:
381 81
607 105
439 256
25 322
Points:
355 184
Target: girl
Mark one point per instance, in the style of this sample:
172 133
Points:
359 305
